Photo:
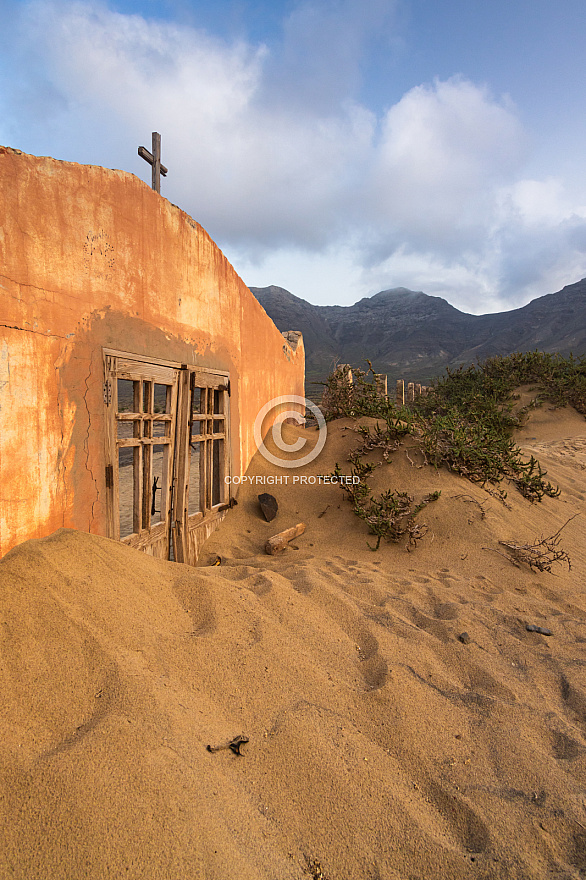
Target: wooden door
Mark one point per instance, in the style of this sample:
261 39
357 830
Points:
167 454
141 402
203 461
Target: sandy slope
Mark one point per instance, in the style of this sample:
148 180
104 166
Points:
381 746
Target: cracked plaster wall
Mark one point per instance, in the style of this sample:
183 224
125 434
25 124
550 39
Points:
93 258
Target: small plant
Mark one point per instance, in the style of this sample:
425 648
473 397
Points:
388 439
528 477
314 869
391 515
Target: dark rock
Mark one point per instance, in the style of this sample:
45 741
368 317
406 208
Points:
542 630
464 638
269 506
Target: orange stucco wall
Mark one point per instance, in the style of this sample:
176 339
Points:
93 258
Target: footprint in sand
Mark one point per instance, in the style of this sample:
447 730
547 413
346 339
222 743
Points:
259 584
579 853
374 668
481 680
442 610
197 601
446 578
564 747
431 626
375 672
467 827
104 701
575 701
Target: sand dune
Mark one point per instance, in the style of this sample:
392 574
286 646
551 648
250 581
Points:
381 746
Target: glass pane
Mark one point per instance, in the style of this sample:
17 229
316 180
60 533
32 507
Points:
217 475
197 427
126 471
193 498
126 395
196 400
159 429
157 485
162 399
218 426
126 430
218 401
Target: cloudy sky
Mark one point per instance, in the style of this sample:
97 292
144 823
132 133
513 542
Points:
332 147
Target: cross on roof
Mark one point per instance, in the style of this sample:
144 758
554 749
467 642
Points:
154 159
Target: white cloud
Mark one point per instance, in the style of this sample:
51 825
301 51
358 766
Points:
270 148
541 202
442 151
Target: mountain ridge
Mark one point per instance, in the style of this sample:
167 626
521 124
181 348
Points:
410 334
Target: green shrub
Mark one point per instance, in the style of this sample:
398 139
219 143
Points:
465 420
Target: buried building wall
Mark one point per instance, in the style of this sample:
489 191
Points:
92 260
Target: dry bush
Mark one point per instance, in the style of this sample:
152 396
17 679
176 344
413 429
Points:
542 553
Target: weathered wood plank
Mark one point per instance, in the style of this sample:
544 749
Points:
181 469
145 441
279 542
141 416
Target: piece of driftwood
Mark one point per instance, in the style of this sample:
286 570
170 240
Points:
234 745
280 541
268 505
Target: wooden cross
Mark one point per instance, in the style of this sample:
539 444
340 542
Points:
154 159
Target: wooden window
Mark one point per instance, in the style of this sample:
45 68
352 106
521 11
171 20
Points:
167 454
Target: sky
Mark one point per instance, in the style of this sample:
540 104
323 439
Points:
335 148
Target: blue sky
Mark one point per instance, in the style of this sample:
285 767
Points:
332 147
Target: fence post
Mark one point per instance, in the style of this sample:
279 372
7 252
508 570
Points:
381 384
410 392
400 393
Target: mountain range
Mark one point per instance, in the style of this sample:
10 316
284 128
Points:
408 334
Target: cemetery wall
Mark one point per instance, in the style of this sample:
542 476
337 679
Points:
90 259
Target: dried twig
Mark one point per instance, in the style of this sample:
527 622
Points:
234 745
542 553
508 558
470 500
499 494
414 463
378 438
